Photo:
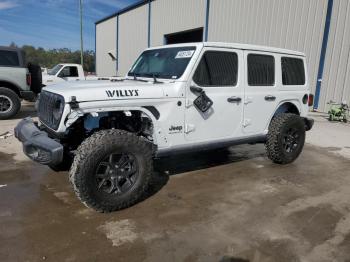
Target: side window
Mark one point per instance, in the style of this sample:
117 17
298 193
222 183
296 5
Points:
69 71
293 72
217 68
261 70
8 58
73 71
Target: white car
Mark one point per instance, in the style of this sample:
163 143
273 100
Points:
68 72
63 72
176 98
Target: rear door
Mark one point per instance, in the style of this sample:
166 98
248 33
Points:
261 95
217 73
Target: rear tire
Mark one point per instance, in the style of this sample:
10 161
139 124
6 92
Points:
112 169
10 103
286 138
36 75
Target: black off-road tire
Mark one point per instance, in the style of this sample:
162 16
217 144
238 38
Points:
14 101
279 127
90 155
36 75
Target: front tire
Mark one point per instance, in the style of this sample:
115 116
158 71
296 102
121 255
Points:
112 169
9 103
286 138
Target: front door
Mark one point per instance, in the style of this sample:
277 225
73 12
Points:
217 73
69 73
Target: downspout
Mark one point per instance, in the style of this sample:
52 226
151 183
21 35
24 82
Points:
323 53
117 46
206 21
149 24
95 52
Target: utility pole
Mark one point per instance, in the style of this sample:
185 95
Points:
81 34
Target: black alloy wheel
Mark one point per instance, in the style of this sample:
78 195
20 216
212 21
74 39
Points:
117 173
291 139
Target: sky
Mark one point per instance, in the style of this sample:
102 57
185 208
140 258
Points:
53 23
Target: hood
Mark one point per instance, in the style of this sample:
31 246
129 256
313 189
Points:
107 90
47 79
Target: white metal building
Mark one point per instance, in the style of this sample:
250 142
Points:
319 28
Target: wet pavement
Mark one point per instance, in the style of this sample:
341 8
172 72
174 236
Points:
228 205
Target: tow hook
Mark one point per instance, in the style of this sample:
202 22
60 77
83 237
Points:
74 104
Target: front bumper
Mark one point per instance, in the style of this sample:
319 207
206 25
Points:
37 145
309 122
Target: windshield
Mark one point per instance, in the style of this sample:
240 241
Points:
168 63
54 70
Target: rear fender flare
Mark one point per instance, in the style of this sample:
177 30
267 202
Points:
280 109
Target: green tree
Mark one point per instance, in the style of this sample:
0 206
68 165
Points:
51 57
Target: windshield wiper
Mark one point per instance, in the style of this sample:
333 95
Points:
154 76
136 79
155 80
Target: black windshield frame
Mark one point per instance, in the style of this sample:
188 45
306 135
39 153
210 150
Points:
170 64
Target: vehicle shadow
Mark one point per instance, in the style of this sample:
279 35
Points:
173 165
27 110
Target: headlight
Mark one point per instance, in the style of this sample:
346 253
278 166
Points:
58 109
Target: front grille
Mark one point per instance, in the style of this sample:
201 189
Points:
47 105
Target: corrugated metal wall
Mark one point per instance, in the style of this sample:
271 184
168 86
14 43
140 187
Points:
291 24
336 75
133 37
169 16
105 42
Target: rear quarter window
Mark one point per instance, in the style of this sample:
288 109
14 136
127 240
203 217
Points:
293 71
9 58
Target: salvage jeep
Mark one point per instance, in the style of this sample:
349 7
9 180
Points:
175 99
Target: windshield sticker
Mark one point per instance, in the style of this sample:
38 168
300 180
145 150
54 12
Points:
184 54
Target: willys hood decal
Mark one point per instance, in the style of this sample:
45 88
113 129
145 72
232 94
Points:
85 91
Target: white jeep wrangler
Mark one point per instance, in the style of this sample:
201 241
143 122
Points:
176 98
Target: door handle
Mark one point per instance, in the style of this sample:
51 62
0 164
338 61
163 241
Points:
270 98
234 99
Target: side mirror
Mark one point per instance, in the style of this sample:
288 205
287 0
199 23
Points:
203 103
196 89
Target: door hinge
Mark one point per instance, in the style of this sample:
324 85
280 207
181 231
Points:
248 100
247 122
189 128
188 103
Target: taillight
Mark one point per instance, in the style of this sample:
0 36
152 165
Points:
311 100
29 79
